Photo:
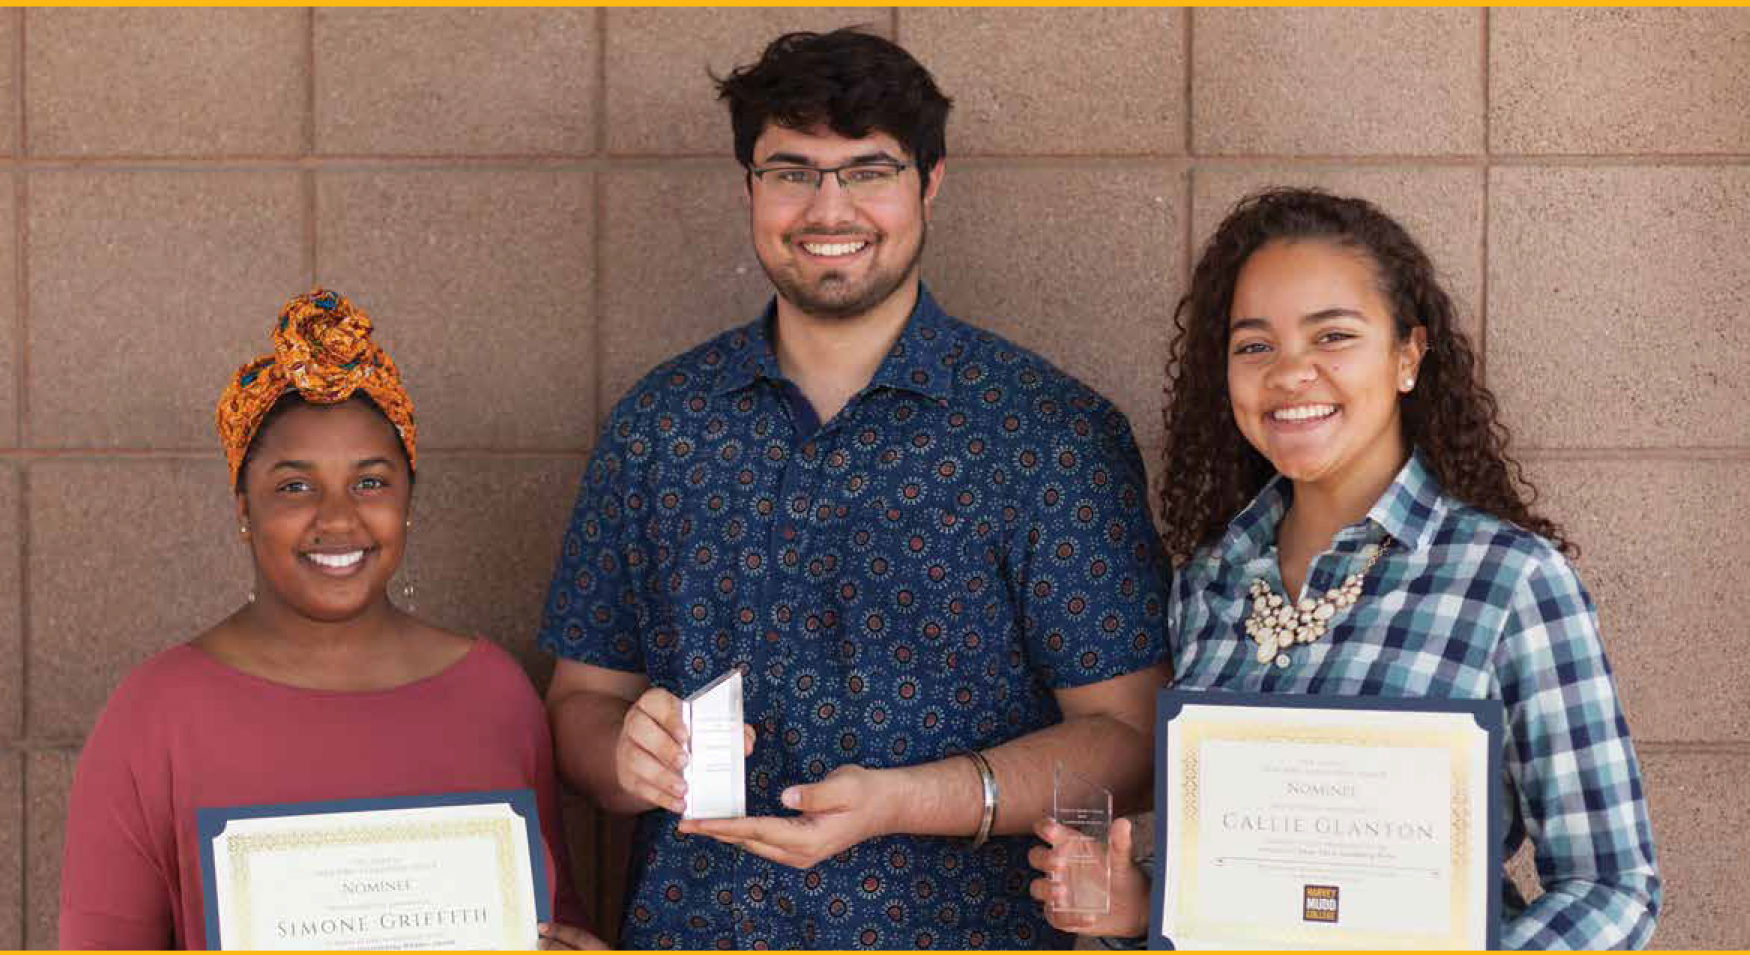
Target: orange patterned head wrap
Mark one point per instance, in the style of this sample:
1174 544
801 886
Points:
322 348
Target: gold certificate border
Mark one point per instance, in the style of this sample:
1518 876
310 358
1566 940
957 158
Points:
243 847
1194 730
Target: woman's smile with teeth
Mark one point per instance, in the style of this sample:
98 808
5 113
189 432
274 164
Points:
337 561
1303 412
833 248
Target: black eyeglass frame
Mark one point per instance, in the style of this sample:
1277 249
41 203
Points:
838 172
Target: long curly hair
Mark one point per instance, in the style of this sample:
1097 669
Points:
1212 472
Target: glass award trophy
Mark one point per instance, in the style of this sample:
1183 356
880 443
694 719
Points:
716 776
1086 810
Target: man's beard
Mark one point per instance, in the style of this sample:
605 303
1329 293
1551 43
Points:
833 297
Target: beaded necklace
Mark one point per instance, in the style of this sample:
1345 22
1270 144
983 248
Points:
1275 625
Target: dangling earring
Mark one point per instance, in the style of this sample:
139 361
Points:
407 604
243 531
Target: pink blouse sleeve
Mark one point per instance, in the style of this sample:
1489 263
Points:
115 891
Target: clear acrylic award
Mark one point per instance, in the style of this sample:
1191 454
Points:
1086 810
716 775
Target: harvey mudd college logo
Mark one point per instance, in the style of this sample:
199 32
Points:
1319 904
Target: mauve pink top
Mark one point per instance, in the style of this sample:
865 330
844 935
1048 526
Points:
186 732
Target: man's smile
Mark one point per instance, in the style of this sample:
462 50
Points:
834 249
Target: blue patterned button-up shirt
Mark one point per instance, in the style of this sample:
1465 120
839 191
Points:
912 578
1461 605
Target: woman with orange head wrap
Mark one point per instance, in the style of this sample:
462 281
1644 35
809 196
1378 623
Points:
318 688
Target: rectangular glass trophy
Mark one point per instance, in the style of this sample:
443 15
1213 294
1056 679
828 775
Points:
716 775
1086 809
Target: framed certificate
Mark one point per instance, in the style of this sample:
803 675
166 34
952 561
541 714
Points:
1293 821
454 871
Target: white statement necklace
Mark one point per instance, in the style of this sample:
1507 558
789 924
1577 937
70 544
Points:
1275 624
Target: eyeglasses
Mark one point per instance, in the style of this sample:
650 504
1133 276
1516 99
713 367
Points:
863 180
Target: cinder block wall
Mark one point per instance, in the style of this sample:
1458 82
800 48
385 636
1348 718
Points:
537 205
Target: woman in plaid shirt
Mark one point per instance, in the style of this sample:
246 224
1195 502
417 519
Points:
1326 409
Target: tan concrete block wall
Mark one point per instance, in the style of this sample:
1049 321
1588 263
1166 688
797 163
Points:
539 204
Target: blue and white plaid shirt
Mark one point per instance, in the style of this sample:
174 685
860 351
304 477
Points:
1461 605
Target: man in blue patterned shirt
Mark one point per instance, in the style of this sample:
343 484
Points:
928 550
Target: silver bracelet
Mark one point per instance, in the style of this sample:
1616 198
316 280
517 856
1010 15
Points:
988 781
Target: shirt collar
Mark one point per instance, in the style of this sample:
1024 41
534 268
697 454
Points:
921 359
1412 507
1409 511
1253 531
753 358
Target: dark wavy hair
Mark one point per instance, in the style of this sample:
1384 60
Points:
851 81
1211 472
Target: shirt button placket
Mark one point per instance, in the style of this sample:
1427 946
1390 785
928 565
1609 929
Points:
774 654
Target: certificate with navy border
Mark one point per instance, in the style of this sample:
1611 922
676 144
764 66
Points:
451 871
1314 822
